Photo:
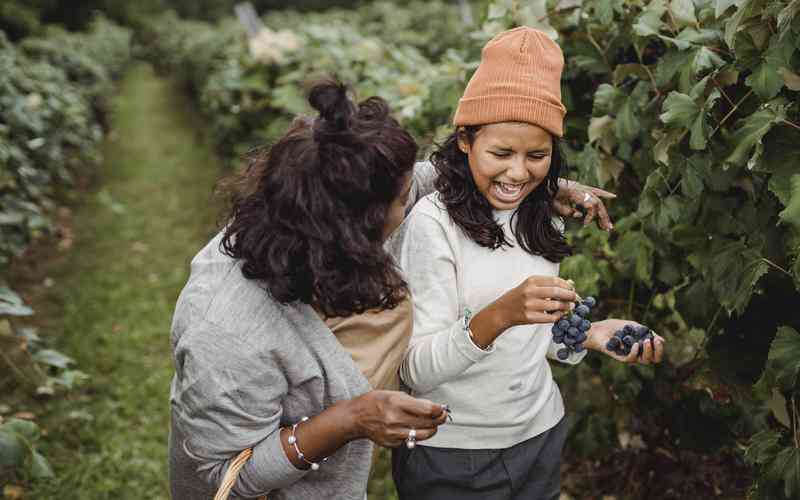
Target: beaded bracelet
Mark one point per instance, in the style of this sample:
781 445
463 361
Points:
293 441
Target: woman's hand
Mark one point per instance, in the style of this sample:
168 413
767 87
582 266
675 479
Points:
538 299
386 417
572 194
602 331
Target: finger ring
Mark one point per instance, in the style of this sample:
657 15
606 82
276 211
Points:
411 440
586 197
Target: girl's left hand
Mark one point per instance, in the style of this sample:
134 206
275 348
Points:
572 194
601 331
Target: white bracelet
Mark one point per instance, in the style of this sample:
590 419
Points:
293 441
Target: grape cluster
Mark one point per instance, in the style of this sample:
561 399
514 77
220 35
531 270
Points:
571 329
622 341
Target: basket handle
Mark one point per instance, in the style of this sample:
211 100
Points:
232 474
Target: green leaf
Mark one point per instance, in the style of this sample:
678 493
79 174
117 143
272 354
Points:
606 99
636 248
25 428
679 110
764 446
649 21
691 183
787 15
627 124
752 130
722 5
604 11
12 449
683 12
783 361
746 10
791 214
665 142
786 468
52 358
765 81
733 269
40 467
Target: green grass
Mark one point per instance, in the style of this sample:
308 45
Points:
115 292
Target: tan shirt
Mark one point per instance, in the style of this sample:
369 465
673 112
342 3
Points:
377 341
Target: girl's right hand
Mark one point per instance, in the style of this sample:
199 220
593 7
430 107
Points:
386 417
538 299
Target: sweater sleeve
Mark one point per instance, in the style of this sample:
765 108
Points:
440 348
227 401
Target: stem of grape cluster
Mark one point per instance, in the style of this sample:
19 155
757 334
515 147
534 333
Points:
791 124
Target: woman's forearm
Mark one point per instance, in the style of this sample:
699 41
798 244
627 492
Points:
322 435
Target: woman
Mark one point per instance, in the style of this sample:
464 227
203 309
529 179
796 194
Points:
256 365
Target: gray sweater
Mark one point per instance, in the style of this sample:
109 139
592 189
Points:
245 366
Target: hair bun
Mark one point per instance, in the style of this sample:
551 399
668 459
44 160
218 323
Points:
329 98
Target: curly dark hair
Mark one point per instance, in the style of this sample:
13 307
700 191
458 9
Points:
309 220
470 210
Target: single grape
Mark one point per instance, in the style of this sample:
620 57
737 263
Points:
579 348
627 340
642 331
556 330
582 311
558 339
581 338
563 324
575 320
613 343
585 325
573 332
590 302
628 329
562 353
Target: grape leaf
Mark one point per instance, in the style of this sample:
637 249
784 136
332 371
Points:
683 11
604 11
791 214
733 269
783 361
649 21
679 110
746 10
691 183
627 124
751 131
12 449
25 428
607 99
40 467
763 447
786 467
786 16
765 80
636 248
722 5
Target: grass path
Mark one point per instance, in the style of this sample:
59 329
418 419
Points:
114 292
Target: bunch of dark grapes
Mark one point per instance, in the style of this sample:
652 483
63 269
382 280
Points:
571 329
622 341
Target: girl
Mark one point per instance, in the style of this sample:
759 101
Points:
486 242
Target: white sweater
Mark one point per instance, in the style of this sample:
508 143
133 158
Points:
498 397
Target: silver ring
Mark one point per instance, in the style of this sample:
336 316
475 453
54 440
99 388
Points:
586 197
411 440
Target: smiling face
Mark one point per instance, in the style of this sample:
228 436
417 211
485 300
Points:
508 161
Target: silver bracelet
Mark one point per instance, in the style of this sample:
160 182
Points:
293 441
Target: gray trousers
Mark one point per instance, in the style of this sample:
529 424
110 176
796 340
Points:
530 470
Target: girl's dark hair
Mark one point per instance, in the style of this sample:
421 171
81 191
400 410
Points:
308 217
532 223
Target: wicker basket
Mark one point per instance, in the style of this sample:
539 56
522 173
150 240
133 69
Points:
232 474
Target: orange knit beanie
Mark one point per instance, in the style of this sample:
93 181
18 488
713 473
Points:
518 80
